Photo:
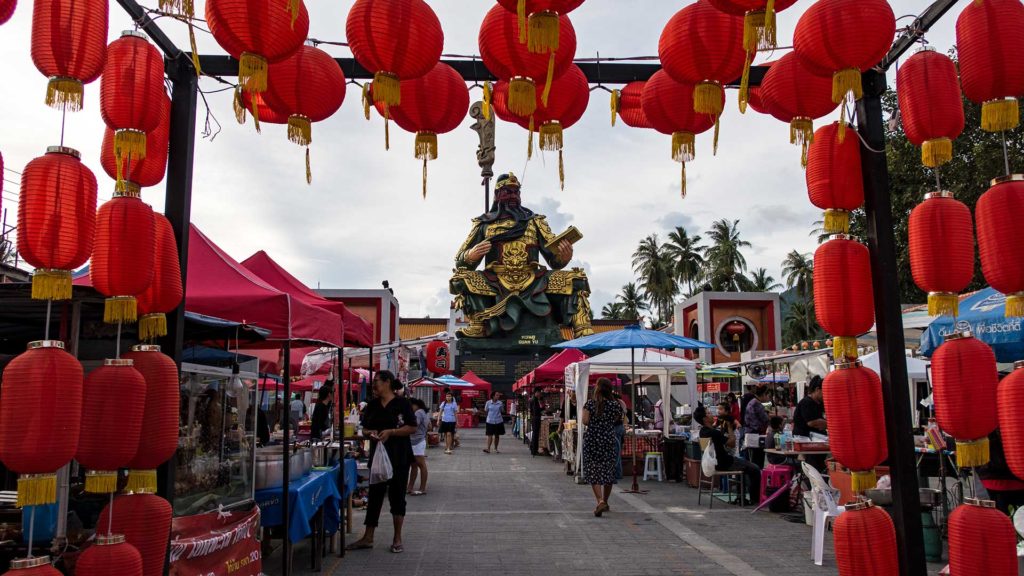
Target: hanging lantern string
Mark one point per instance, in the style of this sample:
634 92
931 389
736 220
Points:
1006 156
110 522
31 529
46 330
117 350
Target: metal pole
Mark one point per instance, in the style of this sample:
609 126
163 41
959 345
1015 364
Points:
339 424
892 358
286 557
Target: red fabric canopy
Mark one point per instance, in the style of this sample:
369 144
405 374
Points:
552 371
358 332
477 382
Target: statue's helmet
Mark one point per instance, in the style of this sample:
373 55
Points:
507 188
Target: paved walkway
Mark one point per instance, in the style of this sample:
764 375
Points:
512 513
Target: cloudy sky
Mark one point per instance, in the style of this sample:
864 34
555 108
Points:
363 219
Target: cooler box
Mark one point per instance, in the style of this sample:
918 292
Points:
776 477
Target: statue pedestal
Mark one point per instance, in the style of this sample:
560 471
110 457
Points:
501 360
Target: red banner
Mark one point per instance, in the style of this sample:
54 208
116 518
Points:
216 545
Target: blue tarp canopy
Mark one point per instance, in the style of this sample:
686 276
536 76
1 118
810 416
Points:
983 314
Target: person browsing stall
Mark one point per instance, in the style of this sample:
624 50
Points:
495 422
321 419
447 417
419 449
724 441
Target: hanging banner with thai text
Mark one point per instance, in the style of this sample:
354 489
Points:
216 544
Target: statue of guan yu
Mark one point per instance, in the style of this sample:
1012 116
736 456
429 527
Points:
514 296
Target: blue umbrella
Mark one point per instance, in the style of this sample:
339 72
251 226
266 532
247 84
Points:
634 337
983 313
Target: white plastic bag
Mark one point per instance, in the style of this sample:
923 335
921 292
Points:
380 469
709 461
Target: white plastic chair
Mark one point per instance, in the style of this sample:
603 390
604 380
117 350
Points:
823 503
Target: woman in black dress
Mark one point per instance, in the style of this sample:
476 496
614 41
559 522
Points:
600 448
388 419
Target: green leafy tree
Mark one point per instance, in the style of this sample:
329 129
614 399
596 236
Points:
687 255
632 302
798 270
657 280
612 311
799 323
725 263
761 281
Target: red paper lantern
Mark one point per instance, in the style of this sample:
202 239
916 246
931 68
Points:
931 106
1000 246
539 21
124 254
309 87
254 33
37 434
791 93
856 421
843 301
865 541
132 94
834 180
844 38
668 105
735 329
254 101
985 32
56 220
396 40
145 522
438 357
145 172
165 291
626 104
965 383
982 540
1009 394
69 46
112 409
109 555
7 10
702 46
159 436
35 566
511 60
941 250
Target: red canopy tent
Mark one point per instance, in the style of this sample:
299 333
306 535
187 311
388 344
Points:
480 387
552 371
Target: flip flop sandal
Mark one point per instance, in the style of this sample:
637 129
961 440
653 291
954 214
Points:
487 451
416 493
359 546
397 549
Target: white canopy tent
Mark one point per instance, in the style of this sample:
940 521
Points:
917 369
626 361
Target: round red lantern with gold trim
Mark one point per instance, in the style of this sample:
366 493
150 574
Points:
7 10
244 101
69 46
965 383
941 250
735 329
438 357
145 522
145 172
834 180
626 104
159 434
985 32
843 300
539 21
123 255
108 555
56 220
35 566
165 291
931 106
1009 394
114 399
865 541
38 435
791 93
999 212
982 540
856 421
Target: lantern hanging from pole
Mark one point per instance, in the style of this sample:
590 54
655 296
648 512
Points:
834 180
985 32
539 21
668 105
38 435
309 87
7 10
124 254
244 101
703 47
132 94
438 356
856 421
114 399
109 554
626 104
435 103
145 522
941 250
148 171
35 566
165 291
791 93
254 33
1011 421
735 329
982 540
69 46
511 60
865 541
56 220
999 213
931 106
159 434
965 382
843 299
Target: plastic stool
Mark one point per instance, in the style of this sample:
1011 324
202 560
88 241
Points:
654 466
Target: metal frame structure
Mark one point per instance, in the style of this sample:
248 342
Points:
878 208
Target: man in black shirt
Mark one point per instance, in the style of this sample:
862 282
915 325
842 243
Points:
723 444
810 412
321 419
536 409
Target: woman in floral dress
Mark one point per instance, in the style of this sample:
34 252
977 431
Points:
600 449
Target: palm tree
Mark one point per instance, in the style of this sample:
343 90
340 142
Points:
798 270
652 265
612 311
687 256
724 258
8 252
798 321
818 231
632 302
760 281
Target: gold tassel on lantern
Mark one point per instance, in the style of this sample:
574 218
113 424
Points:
36 489
529 142
366 100
683 146
1014 305
970 454
744 96
551 139
522 96
309 171
487 100
861 481
141 481
615 104
300 130
936 152
707 98
51 284
426 150
387 89
801 133
943 304
1000 115
101 482
521 17
547 82
120 310
252 72
294 6
844 82
129 145
836 221
65 93
238 105
542 36
152 326
844 348
682 187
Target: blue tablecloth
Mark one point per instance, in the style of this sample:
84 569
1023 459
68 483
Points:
351 477
305 497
